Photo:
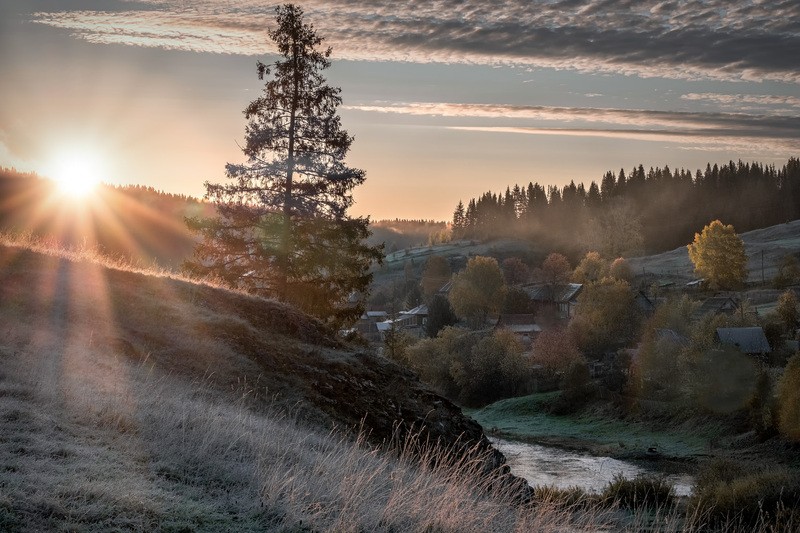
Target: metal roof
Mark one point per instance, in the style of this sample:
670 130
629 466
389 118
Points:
747 340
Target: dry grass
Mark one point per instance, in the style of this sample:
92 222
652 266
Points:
127 448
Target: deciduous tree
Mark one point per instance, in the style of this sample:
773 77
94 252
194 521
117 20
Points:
555 269
555 351
605 316
789 394
478 290
283 229
621 269
515 271
787 311
718 256
591 268
437 272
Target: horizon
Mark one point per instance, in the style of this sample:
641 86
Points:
444 104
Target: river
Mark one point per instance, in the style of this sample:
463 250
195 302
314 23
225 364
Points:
543 465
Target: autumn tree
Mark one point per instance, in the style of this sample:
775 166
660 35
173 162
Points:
282 228
621 269
555 269
515 271
787 311
789 400
591 268
437 272
478 290
605 317
555 351
718 256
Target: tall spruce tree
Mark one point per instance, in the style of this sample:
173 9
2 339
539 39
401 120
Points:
282 228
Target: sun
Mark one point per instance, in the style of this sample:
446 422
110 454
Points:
77 172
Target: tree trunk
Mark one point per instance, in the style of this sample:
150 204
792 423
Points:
286 238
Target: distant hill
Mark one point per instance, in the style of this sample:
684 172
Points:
400 234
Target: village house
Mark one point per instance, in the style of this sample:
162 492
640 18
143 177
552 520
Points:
522 325
717 305
367 324
750 341
561 298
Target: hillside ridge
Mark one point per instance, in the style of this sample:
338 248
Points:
54 309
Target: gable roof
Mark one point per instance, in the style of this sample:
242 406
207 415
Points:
420 310
717 304
672 336
748 340
553 293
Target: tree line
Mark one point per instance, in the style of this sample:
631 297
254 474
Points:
638 211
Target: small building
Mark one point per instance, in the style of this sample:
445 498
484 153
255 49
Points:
717 305
563 298
522 325
367 324
414 317
750 341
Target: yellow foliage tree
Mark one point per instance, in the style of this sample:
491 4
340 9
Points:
478 290
789 394
718 256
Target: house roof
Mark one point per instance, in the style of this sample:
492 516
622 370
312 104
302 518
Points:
445 289
644 302
748 340
717 304
670 335
420 310
519 323
553 293
375 314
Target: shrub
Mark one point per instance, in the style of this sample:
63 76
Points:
789 394
648 491
728 494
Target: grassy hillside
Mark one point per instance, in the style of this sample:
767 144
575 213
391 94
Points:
140 402
774 242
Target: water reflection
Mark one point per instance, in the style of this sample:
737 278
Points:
542 465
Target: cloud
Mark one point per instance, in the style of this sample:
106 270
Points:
691 39
737 100
769 132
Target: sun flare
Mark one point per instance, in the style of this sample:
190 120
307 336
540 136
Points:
77 172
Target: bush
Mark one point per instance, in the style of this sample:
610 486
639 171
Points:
576 390
728 494
649 491
789 400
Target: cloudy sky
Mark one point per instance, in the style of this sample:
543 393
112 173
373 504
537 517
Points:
446 99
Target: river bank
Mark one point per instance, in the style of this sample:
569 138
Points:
527 419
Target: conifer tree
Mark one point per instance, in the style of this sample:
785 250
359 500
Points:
283 229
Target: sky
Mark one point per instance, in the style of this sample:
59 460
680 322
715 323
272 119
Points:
446 99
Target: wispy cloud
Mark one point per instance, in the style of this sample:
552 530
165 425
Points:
722 39
737 100
771 132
